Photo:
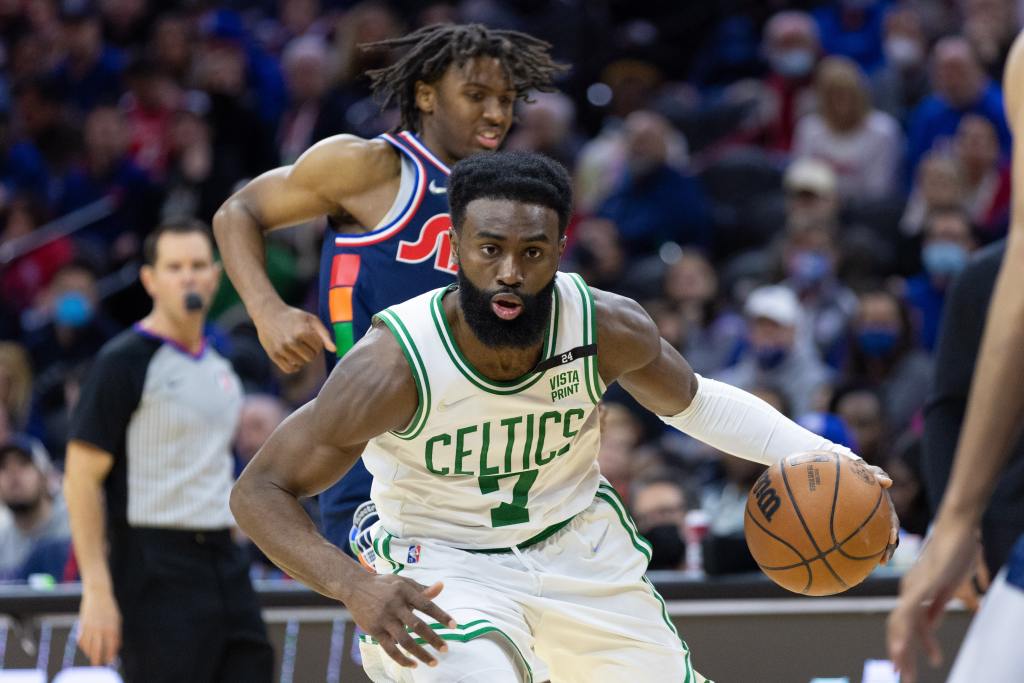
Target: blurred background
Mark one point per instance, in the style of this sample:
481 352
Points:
789 188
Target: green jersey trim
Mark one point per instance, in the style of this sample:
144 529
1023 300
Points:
491 386
690 676
533 540
419 373
591 375
611 496
463 633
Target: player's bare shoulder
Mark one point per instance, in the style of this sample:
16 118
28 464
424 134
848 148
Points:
345 165
627 337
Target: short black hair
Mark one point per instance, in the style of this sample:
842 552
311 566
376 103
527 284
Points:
178 227
432 49
525 177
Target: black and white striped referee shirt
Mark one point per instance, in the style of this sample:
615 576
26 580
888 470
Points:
168 417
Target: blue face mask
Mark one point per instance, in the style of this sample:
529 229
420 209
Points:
877 342
770 357
72 309
793 63
944 259
809 267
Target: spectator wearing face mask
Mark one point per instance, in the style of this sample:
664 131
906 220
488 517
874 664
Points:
948 243
902 82
659 508
777 354
792 48
961 88
809 258
861 410
863 146
884 357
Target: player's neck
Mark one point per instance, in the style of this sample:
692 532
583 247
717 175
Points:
187 333
500 365
433 143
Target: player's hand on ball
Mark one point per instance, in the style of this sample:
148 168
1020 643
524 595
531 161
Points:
99 634
291 337
885 481
384 605
944 564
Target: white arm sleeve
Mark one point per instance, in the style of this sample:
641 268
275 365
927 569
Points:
741 424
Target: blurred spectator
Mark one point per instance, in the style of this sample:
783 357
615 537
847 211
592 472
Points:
990 26
777 353
40 115
294 19
545 125
961 87
659 508
902 82
907 491
26 276
939 184
197 182
90 75
260 416
948 243
655 203
127 23
306 119
883 356
170 47
862 411
22 167
621 459
853 29
15 385
986 176
862 145
725 548
38 515
710 335
792 47
810 260
107 171
148 108
598 253
811 194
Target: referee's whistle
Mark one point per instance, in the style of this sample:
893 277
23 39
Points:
193 302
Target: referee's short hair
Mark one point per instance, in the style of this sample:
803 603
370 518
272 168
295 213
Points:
177 227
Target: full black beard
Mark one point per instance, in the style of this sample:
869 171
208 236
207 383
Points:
519 333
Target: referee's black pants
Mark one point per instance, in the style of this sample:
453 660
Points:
189 613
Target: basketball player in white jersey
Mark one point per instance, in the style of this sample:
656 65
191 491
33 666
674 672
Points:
474 407
992 650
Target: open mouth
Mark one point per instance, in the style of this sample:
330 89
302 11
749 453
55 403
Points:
506 306
489 139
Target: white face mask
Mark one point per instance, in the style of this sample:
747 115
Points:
902 51
793 63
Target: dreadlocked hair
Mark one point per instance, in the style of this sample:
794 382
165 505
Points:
432 49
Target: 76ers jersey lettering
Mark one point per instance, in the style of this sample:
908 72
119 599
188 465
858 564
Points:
408 254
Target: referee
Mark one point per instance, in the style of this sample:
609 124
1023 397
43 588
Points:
148 475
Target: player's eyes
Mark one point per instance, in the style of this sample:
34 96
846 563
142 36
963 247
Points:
489 250
475 96
533 253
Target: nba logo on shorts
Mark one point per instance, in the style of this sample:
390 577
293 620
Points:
414 555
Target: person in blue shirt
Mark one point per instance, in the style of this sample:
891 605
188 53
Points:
961 87
385 200
91 72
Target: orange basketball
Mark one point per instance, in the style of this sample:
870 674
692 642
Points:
817 523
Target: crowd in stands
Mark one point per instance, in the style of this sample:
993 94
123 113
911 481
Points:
788 187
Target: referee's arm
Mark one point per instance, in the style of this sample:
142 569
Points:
86 468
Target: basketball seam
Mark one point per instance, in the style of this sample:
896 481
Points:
839 544
803 523
804 562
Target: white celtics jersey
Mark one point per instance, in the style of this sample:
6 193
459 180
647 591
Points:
485 463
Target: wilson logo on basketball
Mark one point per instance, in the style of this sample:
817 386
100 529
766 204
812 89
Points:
434 240
768 501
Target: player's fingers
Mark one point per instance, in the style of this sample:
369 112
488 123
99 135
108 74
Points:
85 644
423 601
306 348
982 578
392 650
881 476
323 334
423 630
111 644
409 644
286 359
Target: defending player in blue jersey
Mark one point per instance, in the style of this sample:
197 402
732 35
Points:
385 199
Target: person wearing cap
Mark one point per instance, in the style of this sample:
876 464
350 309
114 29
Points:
811 193
38 516
777 354
148 474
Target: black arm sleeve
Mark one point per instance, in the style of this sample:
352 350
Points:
963 323
112 392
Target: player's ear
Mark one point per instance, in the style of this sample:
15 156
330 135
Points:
561 245
453 237
146 278
426 97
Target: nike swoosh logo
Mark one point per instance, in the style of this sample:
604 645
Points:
595 546
434 189
445 405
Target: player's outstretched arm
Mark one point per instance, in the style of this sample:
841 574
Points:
332 173
371 391
993 422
